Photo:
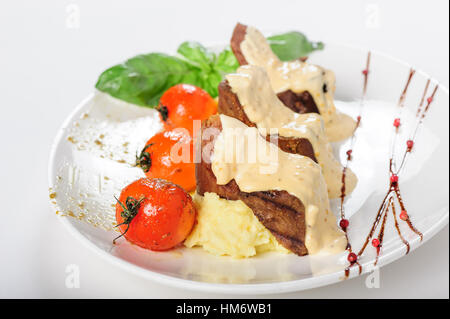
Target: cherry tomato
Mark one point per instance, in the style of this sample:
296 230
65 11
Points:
155 214
169 155
183 103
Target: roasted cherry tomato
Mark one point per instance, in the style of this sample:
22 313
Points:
183 103
169 155
155 214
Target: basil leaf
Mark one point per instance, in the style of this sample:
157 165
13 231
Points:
197 54
213 67
226 62
144 78
292 45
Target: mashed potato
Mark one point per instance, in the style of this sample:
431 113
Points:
229 228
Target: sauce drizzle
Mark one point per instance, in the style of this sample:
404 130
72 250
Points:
393 193
365 73
353 138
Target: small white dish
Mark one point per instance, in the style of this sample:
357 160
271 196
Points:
88 165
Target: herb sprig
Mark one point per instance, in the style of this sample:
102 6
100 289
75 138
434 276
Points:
143 79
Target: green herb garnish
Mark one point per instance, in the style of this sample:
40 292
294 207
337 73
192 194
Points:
292 45
143 79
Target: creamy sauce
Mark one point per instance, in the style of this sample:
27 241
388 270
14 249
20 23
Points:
299 76
298 175
262 107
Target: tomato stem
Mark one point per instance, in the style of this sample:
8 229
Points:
144 160
164 111
130 210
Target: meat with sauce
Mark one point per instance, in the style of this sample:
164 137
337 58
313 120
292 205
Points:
298 102
280 212
229 105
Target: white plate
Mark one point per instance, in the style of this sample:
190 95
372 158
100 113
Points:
88 170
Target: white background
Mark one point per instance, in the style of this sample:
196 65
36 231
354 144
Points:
47 68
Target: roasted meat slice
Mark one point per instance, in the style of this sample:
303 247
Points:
299 103
236 39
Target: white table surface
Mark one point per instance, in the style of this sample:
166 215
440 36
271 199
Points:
47 67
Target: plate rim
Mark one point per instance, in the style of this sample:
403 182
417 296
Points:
244 289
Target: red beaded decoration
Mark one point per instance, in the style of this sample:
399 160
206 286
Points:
349 154
410 144
352 258
375 242
404 215
394 178
344 223
397 123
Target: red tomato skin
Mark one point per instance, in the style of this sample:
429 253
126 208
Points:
181 173
186 103
165 217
